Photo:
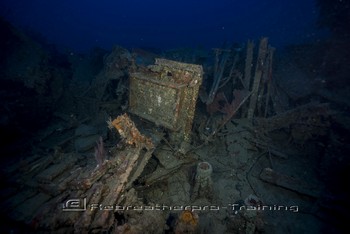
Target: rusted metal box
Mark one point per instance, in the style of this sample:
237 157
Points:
166 94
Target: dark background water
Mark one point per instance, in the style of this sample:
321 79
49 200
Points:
80 25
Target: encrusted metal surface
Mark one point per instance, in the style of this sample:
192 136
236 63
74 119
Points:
166 95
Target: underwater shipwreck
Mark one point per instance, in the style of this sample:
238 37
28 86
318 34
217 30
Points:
181 142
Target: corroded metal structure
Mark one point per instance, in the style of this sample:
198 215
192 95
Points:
166 94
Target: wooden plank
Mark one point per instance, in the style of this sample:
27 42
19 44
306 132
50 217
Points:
288 182
55 170
257 77
27 209
18 199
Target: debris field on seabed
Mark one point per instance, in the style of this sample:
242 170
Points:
239 158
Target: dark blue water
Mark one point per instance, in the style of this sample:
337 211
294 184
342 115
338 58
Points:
80 25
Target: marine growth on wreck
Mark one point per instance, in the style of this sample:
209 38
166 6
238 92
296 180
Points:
234 137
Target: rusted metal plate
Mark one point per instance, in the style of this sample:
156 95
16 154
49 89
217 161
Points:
154 101
166 95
